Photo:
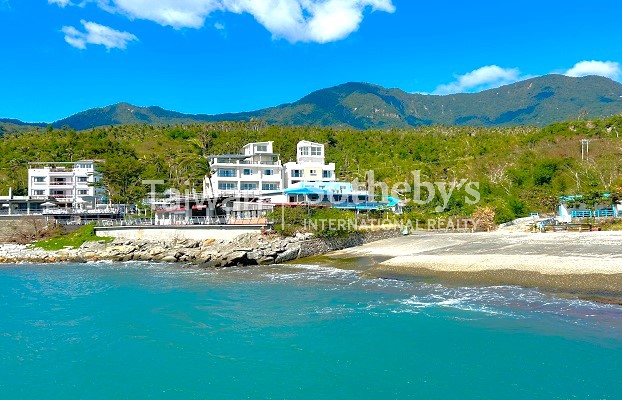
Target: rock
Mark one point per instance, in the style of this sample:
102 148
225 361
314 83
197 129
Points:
169 259
266 261
288 255
235 257
254 255
157 250
145 257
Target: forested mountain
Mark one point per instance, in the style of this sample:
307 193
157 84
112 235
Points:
534 102
8 125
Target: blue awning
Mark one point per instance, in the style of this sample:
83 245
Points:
305 191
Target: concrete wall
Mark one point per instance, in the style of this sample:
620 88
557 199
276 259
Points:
194 232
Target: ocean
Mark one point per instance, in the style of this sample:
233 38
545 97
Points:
140 330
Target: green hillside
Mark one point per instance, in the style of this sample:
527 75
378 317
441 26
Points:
8 126
519 169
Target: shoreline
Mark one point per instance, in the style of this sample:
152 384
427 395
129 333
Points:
588 265
245 250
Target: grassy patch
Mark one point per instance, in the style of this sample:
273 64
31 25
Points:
613 225
74 239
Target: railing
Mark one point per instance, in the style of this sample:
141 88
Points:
229 220
20 213
606 213
582 214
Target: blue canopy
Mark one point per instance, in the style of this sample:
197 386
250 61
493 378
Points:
304 191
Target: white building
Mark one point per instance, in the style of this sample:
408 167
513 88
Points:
257 170
310 165
70 184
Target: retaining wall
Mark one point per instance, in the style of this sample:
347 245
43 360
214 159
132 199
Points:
163 233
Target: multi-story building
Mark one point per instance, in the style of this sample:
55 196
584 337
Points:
70 184
257 170
310 165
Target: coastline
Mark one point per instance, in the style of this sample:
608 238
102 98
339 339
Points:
588 265
245 250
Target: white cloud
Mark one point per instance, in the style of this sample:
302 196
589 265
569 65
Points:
294 20
481 79
607 69
97 34
61 3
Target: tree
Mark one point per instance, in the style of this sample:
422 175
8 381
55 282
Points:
123 180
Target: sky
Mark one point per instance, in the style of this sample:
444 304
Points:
60 57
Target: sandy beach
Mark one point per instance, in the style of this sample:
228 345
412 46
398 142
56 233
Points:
587 263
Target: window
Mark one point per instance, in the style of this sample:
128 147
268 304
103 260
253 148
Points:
83 179
313 172
270 186
227 186
38 192
316 151
83 192
225 161
296 173
248 171
227 173
304 151
39 179
262 147
248 186
327 174
268 172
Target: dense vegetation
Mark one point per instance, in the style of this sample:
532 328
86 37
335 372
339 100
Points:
519 169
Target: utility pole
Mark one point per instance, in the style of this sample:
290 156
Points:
585 149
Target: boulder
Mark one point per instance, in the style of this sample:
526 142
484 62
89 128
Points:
289 254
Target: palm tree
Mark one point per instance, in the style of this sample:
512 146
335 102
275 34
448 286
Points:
198 161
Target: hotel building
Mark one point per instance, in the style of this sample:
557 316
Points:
69 183
310 165
255 171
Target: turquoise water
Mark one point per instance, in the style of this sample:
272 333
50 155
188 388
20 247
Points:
105 331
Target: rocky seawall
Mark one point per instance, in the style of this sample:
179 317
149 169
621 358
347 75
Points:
245 250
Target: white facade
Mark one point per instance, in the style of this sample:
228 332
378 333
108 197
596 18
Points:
254 172
310 165
68 183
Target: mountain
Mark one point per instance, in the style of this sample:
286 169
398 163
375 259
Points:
8 125
538 102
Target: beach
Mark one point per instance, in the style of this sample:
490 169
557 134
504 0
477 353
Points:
585 263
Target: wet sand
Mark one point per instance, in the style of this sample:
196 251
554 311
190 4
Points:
586 264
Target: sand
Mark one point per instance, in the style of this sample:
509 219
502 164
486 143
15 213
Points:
589 262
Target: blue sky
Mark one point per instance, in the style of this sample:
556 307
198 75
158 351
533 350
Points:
60 57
